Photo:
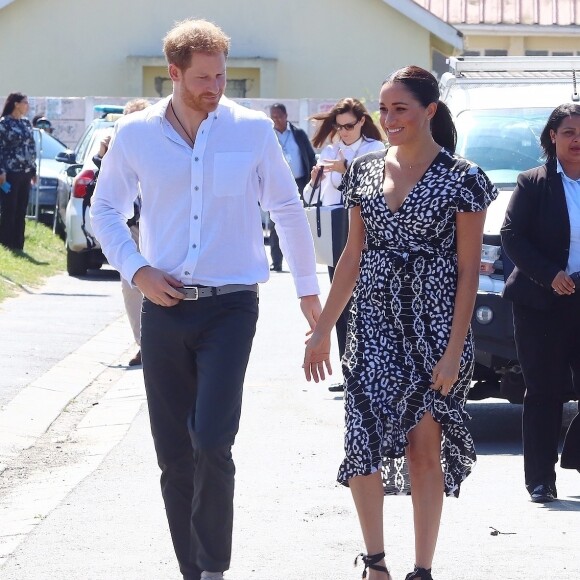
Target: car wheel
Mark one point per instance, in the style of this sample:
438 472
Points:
47 219
76 263
95 260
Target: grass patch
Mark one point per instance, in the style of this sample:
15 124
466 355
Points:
43 255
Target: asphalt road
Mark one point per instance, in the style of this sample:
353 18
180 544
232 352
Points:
83 502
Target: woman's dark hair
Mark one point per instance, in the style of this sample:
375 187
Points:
554 121
11 100
326 128
424 87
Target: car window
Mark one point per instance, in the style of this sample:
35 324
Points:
503 142
81 148
94 143
47 147
85 145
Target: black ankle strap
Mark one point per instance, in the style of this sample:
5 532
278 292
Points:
370 561
419 574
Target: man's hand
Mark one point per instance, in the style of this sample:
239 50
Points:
562 284
158 286
311 308
2 178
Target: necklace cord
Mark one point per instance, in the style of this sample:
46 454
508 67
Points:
180 123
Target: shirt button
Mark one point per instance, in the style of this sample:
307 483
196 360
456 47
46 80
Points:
195 217
187 273
196 188
197 158
194 246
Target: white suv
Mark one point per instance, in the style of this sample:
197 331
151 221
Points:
500 106
72 220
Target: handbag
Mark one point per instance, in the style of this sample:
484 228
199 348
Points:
570 458
329 227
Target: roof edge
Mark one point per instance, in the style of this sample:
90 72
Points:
520 29
429 21
4 3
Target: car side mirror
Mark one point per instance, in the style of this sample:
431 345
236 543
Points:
67 157
73 170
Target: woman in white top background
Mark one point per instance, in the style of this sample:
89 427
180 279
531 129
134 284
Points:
345 132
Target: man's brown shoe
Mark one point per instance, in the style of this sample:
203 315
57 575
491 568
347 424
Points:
136 360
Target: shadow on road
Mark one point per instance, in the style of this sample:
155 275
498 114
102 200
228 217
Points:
105 273
496 427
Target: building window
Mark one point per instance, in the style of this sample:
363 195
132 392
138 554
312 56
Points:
536 53
495 52
439 63
556 53
471 53
237 88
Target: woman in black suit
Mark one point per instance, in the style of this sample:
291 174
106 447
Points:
541 235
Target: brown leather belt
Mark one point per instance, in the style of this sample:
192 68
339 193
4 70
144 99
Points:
197 292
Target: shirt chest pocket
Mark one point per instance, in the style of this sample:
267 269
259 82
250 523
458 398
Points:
231 173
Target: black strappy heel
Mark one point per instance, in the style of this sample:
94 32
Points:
419 574
370 561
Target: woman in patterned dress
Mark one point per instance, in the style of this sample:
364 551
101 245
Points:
412 259
17 168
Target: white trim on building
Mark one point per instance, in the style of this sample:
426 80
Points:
429 21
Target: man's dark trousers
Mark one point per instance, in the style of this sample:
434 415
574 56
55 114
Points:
195 356
548 349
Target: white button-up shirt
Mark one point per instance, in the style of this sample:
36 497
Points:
572 192
200 221
291 151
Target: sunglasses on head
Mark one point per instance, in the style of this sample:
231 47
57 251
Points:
346 126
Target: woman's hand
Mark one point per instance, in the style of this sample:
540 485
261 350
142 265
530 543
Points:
445 373
2 178
104 146
562 284
316 357
338 165
314 173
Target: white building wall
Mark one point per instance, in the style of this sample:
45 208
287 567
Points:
321 48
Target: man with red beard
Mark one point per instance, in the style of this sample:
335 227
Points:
202 164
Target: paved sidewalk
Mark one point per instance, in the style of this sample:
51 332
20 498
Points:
293 522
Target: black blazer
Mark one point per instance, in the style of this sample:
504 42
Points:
536 237
307 154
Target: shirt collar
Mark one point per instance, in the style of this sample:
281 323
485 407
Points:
354 145
164 103
560 169
285 130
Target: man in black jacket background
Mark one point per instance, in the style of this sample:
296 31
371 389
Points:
300 157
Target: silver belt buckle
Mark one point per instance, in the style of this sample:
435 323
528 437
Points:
191 292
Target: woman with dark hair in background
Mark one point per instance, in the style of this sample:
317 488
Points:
17 170
541 235
412 258
348 131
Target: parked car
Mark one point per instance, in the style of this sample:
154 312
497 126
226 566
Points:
72 217
44 191
500 106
